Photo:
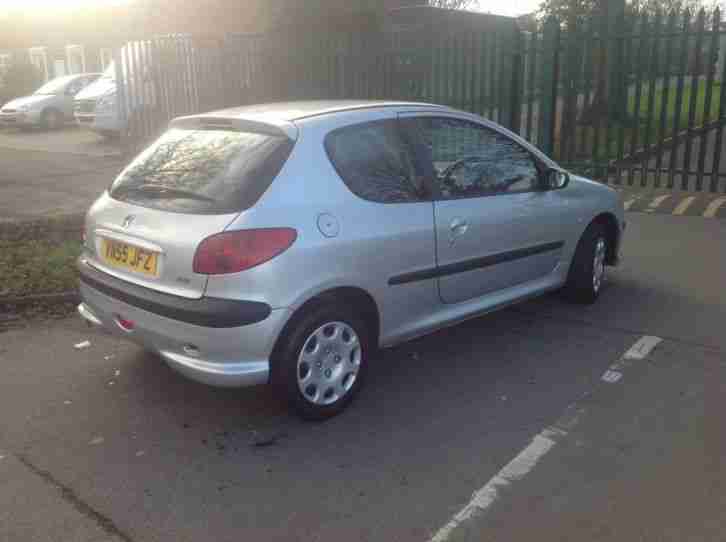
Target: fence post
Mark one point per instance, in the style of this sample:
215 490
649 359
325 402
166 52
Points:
550 77
514 120
121 104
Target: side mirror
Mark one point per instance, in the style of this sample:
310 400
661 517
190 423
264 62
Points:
556 179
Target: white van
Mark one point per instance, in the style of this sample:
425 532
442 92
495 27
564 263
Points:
95 106
160 83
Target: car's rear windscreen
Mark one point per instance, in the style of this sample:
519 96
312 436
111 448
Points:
203 171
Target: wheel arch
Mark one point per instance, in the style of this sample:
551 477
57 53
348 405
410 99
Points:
610 223
48 109
357 297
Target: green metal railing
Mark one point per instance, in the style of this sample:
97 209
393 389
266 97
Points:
636 99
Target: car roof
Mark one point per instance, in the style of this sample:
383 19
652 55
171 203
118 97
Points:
281 115
292 111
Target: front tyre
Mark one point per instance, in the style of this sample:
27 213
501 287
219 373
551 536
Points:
51 119
587 270
321 362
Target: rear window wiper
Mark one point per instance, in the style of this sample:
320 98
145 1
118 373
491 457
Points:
162 192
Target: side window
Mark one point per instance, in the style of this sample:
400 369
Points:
375 162
471 160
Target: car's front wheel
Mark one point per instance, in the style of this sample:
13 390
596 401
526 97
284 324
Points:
51 119
587 270
321 361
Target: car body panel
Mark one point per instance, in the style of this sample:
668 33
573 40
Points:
98 119
507 230
228 357
173 238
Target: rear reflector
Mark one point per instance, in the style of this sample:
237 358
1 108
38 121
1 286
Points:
126 325
235 251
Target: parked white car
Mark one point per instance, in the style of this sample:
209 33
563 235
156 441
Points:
50 106
95 106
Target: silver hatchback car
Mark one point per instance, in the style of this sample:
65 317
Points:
284 243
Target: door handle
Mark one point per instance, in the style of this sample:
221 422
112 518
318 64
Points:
459 226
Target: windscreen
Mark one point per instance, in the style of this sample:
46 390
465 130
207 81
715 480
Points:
55 86
203 171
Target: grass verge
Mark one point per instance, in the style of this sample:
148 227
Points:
32 267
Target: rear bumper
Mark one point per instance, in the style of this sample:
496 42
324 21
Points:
219 356
205 312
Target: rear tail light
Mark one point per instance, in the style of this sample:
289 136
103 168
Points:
235 251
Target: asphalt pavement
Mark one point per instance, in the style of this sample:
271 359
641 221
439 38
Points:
37 184
107 443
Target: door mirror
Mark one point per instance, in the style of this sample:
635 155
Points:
556 179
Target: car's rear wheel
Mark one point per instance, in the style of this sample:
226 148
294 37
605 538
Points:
321 362
587 270
51 119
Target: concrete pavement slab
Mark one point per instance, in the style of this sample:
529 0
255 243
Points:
41 184
68 140
645 462
669 283
35 508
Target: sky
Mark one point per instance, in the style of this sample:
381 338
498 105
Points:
498 7
57 4
508 7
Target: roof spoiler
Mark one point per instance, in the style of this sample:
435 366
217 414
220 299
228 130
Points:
210 122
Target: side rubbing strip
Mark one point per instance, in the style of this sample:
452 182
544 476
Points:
475 263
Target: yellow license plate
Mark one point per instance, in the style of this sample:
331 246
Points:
125 256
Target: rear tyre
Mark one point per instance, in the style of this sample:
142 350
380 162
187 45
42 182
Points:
587 270
51 119
320 363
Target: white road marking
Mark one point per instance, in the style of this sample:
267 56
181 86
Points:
642 347
656 203
713 207
541 444
514 470
683 205
611 376
628 204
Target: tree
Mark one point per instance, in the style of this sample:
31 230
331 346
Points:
566 10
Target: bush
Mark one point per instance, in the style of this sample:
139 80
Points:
21 79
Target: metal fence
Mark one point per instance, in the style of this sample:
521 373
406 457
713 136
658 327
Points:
633 100
636 100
